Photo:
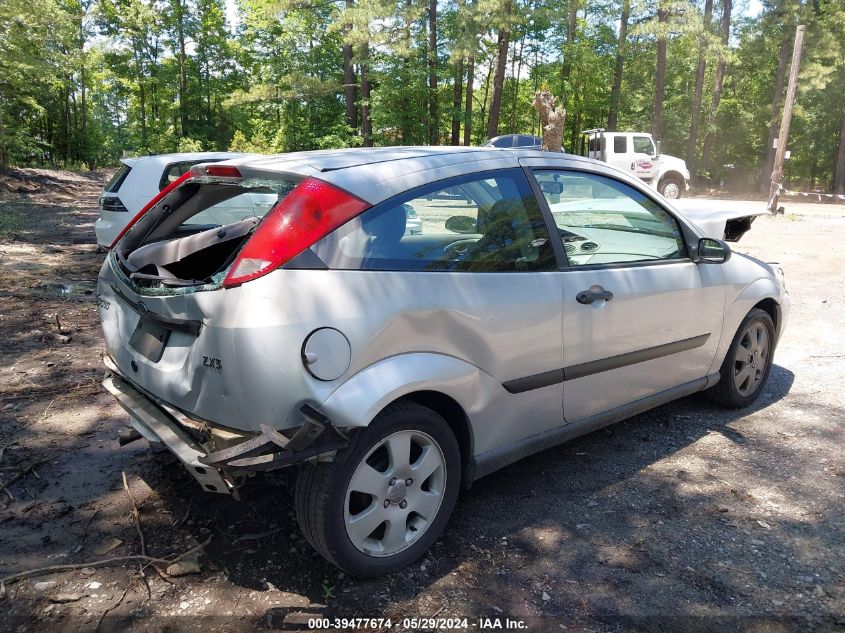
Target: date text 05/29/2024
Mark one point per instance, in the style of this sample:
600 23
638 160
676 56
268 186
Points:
493 623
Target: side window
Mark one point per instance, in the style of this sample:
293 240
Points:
172 172
620 144
503 141
117 180
485 223
603 221
643 145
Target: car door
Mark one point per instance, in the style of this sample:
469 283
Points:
478 282
618 154
643 161
639 317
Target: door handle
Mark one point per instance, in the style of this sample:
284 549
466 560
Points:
590 296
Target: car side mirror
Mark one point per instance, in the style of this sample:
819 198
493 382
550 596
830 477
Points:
656 149
462 224
712 251
551 187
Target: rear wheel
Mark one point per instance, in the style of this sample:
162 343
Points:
670 188
746 367
384 501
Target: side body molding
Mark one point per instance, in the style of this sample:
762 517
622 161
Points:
358 400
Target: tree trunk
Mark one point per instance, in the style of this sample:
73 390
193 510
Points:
774 121
366 122
468 106
571 23
518 60
433 131
709 136
83 146
552 119
620 62
485 115
74 107
499 79
692 141
4 156
457 94
839 176
405 119
349 77
659 78
142 96
208 117
786 118
349 88
183 81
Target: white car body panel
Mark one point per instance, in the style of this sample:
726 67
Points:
142 184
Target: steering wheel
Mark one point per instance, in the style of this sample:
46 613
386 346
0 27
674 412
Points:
457 248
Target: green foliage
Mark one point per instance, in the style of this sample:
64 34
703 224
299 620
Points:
85 81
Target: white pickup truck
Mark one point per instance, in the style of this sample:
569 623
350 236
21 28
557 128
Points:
638 153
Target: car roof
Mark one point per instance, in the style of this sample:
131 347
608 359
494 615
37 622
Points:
178 157
375 174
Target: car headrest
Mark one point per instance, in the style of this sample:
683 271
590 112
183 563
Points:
387 225
500 219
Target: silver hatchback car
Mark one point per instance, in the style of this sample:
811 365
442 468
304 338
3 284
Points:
543 297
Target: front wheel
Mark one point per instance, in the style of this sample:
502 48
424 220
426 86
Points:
746 367
670 188
386 499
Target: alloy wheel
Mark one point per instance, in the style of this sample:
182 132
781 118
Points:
751 359
395 493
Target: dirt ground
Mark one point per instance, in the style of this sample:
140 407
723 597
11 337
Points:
685 518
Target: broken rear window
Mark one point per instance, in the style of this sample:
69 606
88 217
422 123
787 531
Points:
193 235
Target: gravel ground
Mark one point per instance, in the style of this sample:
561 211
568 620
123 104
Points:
685 518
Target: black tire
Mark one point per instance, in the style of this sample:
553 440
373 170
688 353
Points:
725 392
321 490
664 185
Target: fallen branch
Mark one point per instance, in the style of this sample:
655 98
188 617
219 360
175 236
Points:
4 447
187 513
256 537
22 473
135 514
44 415
111 608
40 571
94 387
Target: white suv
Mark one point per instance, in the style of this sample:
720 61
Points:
139 180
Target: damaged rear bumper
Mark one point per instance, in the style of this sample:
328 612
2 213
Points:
219 470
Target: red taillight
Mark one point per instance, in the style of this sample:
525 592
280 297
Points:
164 192
307 214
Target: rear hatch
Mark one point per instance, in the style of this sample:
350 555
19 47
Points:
113 212
171 291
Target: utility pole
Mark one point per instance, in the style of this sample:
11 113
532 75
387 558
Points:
786 119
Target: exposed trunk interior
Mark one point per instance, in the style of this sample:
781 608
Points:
190 239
